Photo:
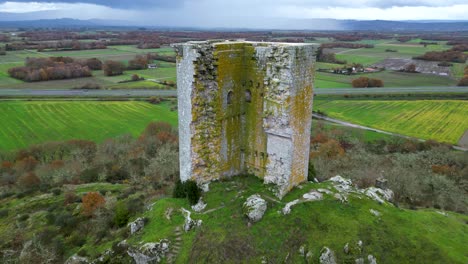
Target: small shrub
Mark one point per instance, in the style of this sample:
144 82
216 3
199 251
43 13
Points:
91 202
23 217
4 213
179 190
193 192
29 181
121 215
189 190
56 191
71 197
135 77
77 240
312 173
463 81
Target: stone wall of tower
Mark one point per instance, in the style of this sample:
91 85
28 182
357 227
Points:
245 107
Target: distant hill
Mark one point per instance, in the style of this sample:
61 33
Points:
8 20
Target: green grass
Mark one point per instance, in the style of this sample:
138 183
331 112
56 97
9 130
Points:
390 79
441 120
165 71
399 236
368 56
26 123
361 59
458 69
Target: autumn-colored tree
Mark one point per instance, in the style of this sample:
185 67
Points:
112 68
319 138
29 181
375 83
443 169
364 82
135 77
69 198
93 64
331 149
410 68
165 136
138 63
26 164
463 81
91 202
361 82
6 165
154 128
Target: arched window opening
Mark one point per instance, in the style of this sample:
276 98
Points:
248 96
230 97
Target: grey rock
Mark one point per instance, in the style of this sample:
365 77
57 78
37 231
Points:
346 248
136 225
379 195
313 196
287 208
371 259
327 256
75 259
360 261
255 207
189 222
200 206
150 252
374 212
381 183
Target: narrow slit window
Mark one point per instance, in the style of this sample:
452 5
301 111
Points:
248 96
230 97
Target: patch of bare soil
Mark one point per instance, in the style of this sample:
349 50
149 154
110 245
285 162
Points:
426 67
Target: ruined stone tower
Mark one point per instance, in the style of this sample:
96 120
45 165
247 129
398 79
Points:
245 108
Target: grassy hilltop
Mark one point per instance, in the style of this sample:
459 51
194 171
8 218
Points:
396 236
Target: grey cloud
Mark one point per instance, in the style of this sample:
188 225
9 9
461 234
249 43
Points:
134 4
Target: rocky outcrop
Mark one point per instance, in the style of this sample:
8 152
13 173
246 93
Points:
150 252
374 212
136 225
75 259
371 259
189 222
254 208
327 256
200 206
379 195
287 208
308 197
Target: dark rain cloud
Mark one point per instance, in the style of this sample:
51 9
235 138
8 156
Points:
134 4
148 4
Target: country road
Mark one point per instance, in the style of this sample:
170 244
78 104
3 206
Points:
144 93
344 123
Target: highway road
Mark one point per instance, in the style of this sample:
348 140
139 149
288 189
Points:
145 93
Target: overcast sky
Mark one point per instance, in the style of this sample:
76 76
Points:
239 13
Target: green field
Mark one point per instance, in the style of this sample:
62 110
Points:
390 79
26 123
165 70
441 120
369 56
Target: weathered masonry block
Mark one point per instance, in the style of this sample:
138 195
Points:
245 108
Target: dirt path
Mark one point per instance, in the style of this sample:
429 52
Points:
336 121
